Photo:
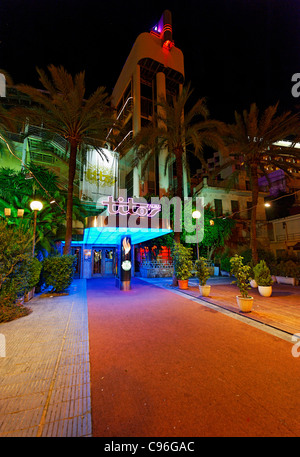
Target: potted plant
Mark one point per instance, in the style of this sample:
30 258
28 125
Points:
183 265
242 275
263 278
203 273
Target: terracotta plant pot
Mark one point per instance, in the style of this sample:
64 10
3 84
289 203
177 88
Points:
183 284
245 303
265 291
204 290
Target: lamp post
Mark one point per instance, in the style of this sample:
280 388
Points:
196 215
35 206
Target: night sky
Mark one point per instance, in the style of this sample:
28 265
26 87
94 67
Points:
236 51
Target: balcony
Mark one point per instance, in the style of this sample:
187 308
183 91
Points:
288 237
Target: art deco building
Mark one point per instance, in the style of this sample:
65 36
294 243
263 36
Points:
153 69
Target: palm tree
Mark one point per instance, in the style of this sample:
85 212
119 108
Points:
178 130
62 108
252 141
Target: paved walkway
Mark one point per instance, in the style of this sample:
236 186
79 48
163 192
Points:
45 375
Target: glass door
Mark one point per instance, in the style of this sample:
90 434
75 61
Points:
97 262
109 257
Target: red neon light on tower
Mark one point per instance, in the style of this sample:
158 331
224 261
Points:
163 30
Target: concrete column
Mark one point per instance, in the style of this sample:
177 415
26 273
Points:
162 175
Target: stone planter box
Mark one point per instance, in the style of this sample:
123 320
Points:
225 273
29 295
156 270
286 280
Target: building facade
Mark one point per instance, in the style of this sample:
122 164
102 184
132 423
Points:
153 69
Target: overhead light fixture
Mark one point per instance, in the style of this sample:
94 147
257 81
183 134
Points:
267 204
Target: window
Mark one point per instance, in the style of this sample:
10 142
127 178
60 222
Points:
249 206
234 206
218 207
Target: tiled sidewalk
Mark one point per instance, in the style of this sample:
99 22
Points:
45 376
280 311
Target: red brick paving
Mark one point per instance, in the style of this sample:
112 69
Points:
166 366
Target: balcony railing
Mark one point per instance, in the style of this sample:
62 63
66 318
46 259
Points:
288 237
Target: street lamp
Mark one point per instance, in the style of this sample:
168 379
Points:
35 206
196 215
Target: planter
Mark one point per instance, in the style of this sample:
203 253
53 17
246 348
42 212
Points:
183 284
286 280
29 295
20 300
253 283
245 303
224 273
204 290
265 291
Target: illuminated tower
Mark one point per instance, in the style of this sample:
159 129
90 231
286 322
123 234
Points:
153 69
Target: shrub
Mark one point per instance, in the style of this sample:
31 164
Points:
262 274
182 260
288 268
15 256
58 271
35 267
225 264
202 271
241 273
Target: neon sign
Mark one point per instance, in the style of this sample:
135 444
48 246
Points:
131 207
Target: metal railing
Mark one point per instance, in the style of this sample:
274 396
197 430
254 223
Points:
288 237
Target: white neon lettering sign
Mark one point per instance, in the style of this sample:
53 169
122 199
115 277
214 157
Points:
130 207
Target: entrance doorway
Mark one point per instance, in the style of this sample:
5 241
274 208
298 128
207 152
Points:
77 251
104 262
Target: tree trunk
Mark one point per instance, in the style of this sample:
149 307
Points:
69 217
253 240
179 192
